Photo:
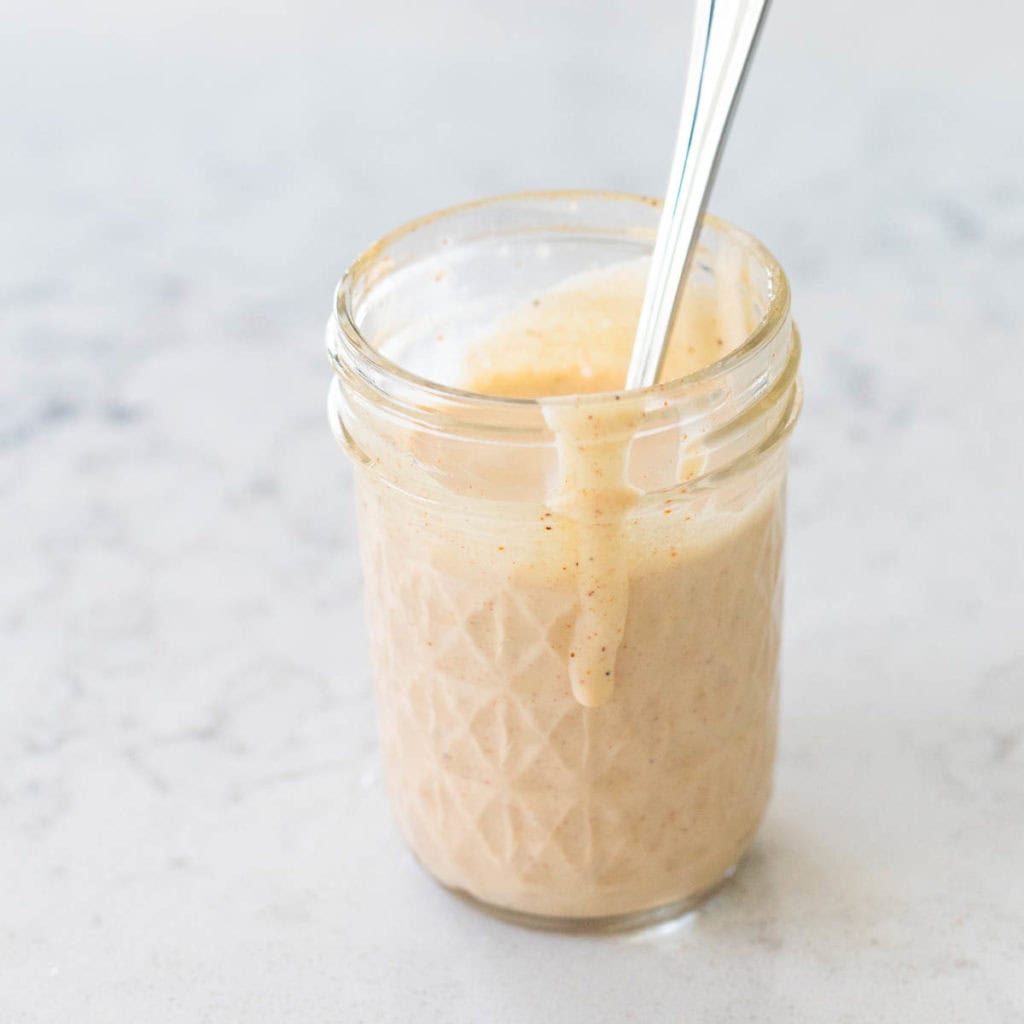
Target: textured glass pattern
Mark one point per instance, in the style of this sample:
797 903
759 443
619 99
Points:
507 788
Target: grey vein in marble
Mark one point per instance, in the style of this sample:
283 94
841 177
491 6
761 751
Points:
193 826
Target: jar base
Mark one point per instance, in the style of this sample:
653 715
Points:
609 925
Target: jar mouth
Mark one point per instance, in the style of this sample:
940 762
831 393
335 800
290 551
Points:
351 352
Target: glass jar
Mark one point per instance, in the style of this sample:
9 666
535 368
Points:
514 780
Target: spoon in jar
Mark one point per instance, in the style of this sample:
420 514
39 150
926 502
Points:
725 33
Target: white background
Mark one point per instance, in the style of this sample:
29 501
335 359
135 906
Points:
192 821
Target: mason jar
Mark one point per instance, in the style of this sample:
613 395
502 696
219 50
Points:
518 782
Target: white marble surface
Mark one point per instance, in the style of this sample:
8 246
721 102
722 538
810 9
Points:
192 821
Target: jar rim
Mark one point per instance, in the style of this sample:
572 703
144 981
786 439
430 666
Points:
345 339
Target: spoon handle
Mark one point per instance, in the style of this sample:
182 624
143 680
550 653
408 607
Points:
725 33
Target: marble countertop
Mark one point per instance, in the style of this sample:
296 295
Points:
192 821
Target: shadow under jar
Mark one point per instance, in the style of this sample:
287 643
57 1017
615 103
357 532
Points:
574 628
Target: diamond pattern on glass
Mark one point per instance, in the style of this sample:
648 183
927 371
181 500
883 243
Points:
506 787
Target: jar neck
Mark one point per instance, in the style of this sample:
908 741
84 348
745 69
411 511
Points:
729 413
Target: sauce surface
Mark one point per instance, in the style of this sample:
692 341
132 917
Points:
576 689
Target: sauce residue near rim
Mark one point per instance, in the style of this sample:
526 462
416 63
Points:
576 339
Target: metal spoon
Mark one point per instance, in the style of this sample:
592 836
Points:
725 33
